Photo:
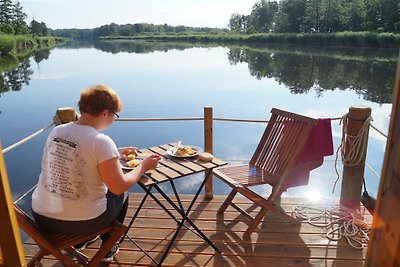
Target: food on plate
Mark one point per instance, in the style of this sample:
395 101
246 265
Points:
130 157
132 154
133 163
185 151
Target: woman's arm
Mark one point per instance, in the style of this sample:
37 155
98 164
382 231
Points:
118 182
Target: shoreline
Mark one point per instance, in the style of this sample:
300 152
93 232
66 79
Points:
339 39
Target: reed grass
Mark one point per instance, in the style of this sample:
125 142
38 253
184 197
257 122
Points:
353 39
13 44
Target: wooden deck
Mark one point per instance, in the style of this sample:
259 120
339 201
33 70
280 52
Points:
275 243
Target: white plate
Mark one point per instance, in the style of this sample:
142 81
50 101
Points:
124 166
170 151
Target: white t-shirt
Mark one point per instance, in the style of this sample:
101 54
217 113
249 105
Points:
70 187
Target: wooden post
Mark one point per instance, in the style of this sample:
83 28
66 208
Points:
208 147
384 243
66 114
10 239
353 175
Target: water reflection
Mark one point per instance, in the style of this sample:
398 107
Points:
15 72
143 47
14 79
368 72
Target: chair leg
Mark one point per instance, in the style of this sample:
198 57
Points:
82 258
117 232
227 201
39 255
253 225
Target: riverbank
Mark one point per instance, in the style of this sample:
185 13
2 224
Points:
11 45
340 39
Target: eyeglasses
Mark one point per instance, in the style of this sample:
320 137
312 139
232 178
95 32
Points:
116 115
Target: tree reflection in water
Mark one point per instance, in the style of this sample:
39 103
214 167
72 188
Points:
367 72
15 72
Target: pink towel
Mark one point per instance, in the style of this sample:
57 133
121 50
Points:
318 145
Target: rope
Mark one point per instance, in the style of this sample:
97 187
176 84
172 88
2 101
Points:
198 119
191 119
161 119
25 194
373 171
379 131
337 220
240 120
352 154
352 147
5 150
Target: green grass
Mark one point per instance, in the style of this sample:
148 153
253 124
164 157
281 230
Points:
13 44
352 39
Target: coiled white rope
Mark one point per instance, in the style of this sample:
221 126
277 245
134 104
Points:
352 147
337 220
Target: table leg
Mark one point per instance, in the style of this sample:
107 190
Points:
125 235
178 199
134 216
185 218
164 208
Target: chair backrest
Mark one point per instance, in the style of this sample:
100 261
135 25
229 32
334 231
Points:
283 139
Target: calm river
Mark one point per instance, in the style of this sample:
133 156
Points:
178 80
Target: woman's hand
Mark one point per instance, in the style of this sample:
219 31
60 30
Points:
150 162
118 182
125 151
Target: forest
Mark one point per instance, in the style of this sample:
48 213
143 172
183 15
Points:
12 20
319 16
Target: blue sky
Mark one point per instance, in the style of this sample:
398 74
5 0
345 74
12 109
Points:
93 13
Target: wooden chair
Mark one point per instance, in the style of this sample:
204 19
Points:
55 244
272 162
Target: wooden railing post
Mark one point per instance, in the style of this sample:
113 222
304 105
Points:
208 146
66 115
383 246
10 238
353 175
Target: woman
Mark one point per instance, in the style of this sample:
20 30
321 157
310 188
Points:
81 185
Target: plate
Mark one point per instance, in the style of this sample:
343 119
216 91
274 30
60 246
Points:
124 166
170 152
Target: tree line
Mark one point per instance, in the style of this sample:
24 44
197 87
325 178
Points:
126 30
319 16
12 20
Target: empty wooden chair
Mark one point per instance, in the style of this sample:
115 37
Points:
55 244
272 162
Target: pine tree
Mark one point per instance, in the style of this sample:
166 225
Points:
20 26
6 9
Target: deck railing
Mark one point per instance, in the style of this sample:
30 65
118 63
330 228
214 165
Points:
208 120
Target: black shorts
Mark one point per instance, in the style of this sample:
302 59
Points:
116 210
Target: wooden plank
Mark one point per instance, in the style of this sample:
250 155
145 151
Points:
192 163
276 242
157 176
171 163
10 239
177 260
384 246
